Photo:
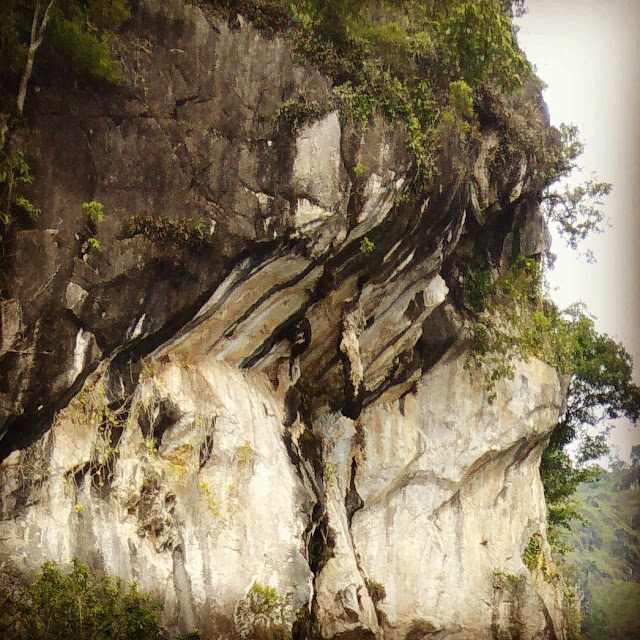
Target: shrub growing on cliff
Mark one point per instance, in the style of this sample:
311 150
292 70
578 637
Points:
418 62
78 606
575 210
511 319
376 590
263 614
15 174
194 232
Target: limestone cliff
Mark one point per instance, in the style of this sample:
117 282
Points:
237 388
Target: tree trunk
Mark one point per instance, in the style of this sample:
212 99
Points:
37 34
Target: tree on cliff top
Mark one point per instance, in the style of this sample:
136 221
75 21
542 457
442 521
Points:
600 391
64 36
71 31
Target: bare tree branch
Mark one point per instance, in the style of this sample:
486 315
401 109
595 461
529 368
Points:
38 29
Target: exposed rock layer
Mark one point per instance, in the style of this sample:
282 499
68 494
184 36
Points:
235 391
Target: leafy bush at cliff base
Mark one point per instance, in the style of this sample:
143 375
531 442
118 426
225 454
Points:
78 606
263 614
510 318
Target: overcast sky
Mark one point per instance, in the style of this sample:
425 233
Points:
588 53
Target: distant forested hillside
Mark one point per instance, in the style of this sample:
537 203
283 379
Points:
604 560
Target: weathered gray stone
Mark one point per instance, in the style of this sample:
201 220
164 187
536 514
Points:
10 323
535 238
317 165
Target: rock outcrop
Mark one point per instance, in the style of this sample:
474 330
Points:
238 389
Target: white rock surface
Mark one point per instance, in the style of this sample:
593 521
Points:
433 496
217 507
452 494
317 163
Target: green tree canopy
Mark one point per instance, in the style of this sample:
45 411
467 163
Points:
61 33
600 391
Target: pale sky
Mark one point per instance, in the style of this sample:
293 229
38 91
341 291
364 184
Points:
588 53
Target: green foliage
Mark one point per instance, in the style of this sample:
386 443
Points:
329 474
461 97
410 61
360 170
194 232
95 215
600 390
366 246
603 555
532 552
15 173
504 580
263 614
573 612
93 243
296 112
376 590
75 39
567 154
357 104
510 320
613 612
77 605
479 44
107 15
265 600
94 210
27 206
78 37
574 210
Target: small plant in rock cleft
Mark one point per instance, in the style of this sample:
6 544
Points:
15 176
263 614
533 552
376 590
95 216
505 580
297 112
193 232
366 246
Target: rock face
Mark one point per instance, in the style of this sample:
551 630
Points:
239 390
